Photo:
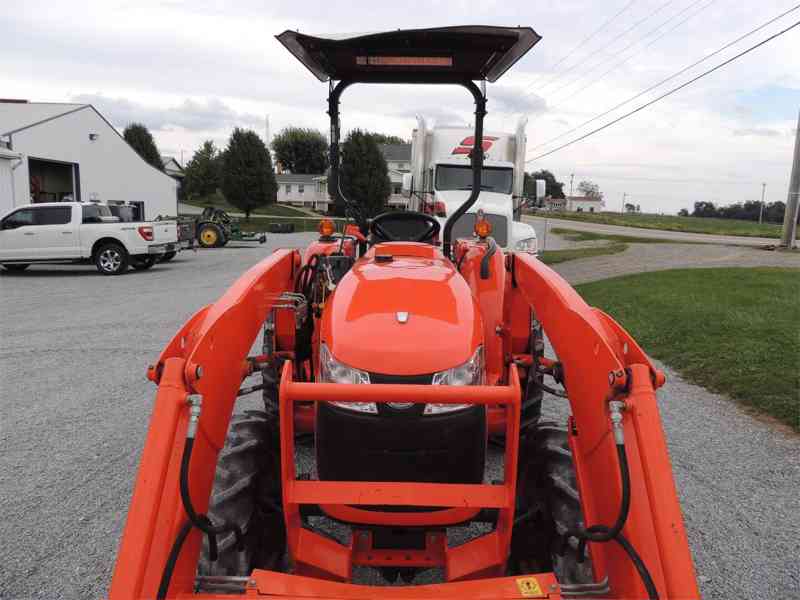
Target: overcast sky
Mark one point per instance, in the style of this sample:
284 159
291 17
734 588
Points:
195 69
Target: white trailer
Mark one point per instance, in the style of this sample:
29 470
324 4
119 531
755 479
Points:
441 180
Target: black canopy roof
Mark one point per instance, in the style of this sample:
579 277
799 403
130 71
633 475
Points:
438 55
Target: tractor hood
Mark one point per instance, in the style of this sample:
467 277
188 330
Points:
407 313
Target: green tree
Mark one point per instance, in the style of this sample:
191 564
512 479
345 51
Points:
683 213
363 173
553 187
202 173
302 151
142 141
248 179
382 138
590 189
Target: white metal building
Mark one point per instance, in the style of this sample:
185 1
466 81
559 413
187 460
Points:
70 152
398 160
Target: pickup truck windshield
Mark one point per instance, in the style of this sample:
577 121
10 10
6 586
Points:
454 177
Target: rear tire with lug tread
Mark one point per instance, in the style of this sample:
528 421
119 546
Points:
548 505
15 267
111 259
209 235
247 492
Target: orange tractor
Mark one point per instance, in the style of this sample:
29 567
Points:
401 351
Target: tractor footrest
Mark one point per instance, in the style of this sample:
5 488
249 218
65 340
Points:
431 554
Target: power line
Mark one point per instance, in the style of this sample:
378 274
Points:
739 182
669 93
583 42
671 77
632 44
612 41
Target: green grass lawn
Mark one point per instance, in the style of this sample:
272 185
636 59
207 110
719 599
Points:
675 223
261 223
552 257
218 201
735 331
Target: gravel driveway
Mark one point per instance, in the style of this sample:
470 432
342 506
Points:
76 405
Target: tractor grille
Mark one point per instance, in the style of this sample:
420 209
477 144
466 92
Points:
464 226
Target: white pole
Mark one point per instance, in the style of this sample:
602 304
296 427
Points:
761 211
793 201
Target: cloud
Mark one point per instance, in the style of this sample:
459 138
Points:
440 116
757 131
512 100
191 115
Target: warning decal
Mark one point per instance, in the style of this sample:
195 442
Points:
529 587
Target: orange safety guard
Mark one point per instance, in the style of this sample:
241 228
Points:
318 556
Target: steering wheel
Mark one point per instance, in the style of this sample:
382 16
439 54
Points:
381 230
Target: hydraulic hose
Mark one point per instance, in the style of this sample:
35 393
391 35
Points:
202 522
603 533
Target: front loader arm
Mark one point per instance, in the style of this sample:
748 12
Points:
601 362
206 357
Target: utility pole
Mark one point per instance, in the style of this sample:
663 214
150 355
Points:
761 211
571 177
793 201
622 208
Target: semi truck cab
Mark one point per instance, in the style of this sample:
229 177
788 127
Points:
441 180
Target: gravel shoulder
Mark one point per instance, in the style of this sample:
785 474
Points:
76 407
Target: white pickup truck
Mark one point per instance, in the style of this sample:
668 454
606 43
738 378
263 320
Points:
74 232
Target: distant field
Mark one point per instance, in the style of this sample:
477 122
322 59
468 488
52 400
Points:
674 223
733 331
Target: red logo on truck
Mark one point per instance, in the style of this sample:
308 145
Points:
466 145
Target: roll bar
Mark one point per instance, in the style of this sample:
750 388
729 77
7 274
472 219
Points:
476 161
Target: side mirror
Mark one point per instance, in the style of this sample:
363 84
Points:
9 224
408 180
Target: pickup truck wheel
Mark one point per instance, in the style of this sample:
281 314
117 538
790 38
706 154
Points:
15 267
168 256
142 264
209 235
111 259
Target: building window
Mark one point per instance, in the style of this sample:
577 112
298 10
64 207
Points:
300 188
288 188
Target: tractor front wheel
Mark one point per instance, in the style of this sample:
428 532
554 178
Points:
247 493
210 235
548 504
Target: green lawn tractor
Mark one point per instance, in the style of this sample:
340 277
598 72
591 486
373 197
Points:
215 228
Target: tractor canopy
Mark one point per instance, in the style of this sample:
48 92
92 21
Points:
435 55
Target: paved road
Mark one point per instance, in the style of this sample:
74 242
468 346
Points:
638 258
677 236
75 407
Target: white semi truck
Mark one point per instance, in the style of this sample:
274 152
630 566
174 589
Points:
440 180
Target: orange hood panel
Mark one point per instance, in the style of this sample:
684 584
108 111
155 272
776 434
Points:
362 324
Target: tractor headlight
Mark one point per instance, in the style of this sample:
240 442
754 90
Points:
470 373
530 245
332 371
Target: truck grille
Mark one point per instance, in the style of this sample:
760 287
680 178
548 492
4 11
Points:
465 224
